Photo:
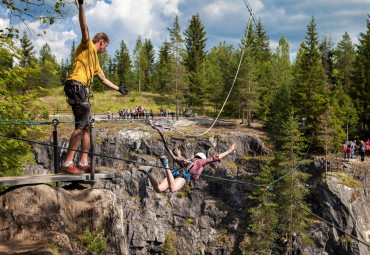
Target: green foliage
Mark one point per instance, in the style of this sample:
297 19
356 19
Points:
122 66
360 89
280 110
18 101
263 216
168 247
94 241
309 80
195 38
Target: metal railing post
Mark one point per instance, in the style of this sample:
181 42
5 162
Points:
92 145
56 150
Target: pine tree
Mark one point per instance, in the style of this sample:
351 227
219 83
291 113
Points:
72 54
122 64
344 58
280 110
49 75
360 89
309 81
327 52
177 49
330 133
291 219
165 71
263 217
104 60
247 89
210 76
63 70
262 58
282 70
28 53
149 54
140 63
195 54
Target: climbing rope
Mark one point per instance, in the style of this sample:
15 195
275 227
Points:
251 16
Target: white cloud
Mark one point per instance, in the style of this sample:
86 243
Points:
4 23
224 20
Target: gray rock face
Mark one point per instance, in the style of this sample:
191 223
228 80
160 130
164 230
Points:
207 218
38 216
346 208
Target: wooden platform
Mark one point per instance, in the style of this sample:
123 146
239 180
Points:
37 179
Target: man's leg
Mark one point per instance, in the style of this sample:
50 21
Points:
85 144
74 142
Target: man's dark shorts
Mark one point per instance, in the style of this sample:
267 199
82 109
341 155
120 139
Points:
78 99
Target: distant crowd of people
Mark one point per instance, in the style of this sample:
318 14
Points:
137 113
351 148
141 113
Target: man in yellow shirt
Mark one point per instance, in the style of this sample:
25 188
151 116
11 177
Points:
77 89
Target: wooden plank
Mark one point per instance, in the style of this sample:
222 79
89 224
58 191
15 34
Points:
37 179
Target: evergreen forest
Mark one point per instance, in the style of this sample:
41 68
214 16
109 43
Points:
321 99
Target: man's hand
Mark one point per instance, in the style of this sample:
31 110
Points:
122 90
80 1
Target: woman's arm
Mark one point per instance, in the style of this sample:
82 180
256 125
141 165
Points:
231 149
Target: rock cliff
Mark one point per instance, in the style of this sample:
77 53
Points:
206 218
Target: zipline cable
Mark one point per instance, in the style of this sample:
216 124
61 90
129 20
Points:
285 175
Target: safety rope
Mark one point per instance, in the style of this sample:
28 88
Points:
233 83
25 123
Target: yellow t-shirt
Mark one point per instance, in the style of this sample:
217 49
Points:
80 69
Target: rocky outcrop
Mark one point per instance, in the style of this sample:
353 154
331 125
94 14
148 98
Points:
208 217
38 218
348 209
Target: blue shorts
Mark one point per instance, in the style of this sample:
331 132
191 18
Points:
181 173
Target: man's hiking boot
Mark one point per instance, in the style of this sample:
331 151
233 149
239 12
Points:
70 169
87 168
164 160
145 169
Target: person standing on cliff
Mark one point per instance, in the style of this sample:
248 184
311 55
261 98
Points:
176 179
78 90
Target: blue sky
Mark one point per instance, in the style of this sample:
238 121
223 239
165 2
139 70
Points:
223 21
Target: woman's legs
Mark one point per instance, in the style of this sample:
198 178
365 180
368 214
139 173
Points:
173 184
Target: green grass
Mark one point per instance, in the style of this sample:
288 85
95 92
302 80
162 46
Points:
111 99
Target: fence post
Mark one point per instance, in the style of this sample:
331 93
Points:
92 145
56 150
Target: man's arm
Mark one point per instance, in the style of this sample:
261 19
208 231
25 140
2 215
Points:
83 23
107 82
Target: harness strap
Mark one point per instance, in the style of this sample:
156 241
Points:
166 146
